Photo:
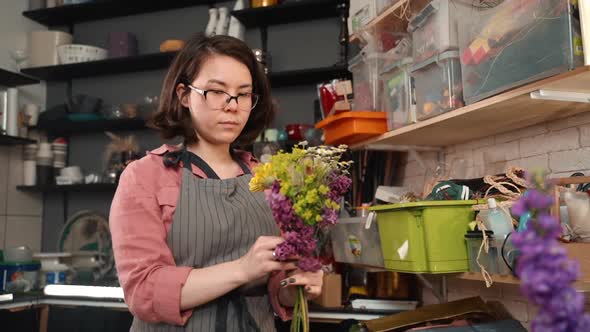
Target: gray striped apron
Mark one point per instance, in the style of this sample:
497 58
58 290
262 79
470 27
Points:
217 221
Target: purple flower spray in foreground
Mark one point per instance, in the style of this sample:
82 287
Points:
545 271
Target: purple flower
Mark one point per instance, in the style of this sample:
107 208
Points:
309 264
300 238
339 184
545 271
330 217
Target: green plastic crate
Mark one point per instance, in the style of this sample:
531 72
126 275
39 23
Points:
425 237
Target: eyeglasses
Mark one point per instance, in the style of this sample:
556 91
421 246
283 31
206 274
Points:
218 99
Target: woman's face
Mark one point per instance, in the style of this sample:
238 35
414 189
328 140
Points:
216 124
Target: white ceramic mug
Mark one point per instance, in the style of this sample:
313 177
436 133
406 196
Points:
31 111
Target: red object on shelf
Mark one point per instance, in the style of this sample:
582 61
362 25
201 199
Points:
296 131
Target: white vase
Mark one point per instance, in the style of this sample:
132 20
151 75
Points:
236 28
212 24
222 21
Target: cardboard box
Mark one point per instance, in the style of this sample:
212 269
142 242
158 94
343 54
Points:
331 296
581 253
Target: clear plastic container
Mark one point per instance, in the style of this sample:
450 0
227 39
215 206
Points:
492 261
365 84
397 96
438 85
384 4
434 28
516 42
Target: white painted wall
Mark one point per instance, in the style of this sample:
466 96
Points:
20 213
14 29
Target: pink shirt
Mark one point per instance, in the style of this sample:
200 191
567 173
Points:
141 214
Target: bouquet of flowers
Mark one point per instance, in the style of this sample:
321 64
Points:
306 188
545 271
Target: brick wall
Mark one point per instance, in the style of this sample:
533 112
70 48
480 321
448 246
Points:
561 147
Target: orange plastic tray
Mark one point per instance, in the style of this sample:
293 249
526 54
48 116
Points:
354 126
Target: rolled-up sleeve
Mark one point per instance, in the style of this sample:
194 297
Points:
151 281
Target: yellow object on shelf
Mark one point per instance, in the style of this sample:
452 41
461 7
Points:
171 45
262 3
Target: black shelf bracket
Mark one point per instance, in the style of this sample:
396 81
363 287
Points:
343 8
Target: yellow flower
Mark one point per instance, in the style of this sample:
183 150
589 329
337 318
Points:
323 189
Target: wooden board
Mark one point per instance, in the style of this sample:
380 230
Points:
506 112
579 252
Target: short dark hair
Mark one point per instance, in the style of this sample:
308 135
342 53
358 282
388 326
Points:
172 119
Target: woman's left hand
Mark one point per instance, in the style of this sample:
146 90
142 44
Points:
312 282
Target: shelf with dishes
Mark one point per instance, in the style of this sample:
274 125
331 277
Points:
88 187
67 127
109 66
293 11
162 60
14 140
511 110
96 10
11 79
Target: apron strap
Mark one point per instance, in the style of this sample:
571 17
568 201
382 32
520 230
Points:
188 158
241 307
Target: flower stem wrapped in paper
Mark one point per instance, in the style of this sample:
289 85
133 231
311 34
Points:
306 188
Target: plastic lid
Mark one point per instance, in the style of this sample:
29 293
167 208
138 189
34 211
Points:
452 54
492 203
478 234
422 204
422 17
399 63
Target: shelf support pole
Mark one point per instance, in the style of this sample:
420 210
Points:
440 296
343 7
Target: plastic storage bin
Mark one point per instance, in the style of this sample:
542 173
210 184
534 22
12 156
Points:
397 98
354 244
425 237
365 73
515 43
382 5
352 127
438 85
434 28
361 13
492 261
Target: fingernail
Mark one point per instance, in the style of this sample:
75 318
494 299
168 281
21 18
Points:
291 280
283 283
308 289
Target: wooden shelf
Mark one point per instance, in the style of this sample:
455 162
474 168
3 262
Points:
581 286
68 127
96 10
103 67
11 79
506 112
395 18
307 76
91 187
299 11
13 140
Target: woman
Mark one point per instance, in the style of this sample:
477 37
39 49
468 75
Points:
194 247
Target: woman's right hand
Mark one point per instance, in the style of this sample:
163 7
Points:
259 261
